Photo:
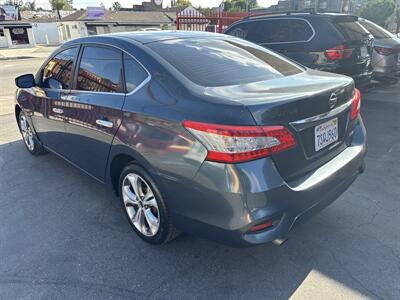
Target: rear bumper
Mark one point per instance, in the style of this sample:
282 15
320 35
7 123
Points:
385 65
361 74
383 71
223 201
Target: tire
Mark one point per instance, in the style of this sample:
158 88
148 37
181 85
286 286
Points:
148 213
29 137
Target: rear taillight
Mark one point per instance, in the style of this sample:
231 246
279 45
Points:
385 51
261 227
356 106
233 144
339 52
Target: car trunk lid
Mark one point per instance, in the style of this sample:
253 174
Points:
300 104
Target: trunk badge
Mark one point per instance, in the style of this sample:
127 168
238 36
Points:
332 100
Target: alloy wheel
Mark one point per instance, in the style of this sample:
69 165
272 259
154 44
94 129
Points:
140 204
27 133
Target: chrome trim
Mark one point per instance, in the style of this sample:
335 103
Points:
105 123
58 110
299 125
332 100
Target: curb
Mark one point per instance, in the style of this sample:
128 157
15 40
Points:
17 57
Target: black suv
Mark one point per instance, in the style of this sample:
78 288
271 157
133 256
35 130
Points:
325 41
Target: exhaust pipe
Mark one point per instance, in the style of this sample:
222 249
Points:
279 241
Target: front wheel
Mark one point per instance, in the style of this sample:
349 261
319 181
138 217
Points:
144 206
30 140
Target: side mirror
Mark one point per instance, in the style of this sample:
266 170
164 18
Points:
53 83
25 81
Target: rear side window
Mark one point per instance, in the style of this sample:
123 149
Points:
351 31
218 62
274 31
100 70
59 68
134 73
377 31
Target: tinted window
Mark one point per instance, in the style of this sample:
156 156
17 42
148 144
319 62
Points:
134 73
352 31
273 31
220 62
59 68
100 70
377 31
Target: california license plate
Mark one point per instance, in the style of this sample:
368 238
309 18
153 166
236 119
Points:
364 51
326 134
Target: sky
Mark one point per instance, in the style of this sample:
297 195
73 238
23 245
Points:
128 3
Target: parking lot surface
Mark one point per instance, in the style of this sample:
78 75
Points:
62 235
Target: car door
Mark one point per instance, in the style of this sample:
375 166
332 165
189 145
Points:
54 84
93 110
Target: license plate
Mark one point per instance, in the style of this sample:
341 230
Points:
364 51
326 134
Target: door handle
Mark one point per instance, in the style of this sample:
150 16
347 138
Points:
105 123
58 110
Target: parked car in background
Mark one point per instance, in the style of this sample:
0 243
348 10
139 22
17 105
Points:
386 54
200 132
324 41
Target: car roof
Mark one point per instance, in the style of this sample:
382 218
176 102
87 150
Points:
306 15
146 37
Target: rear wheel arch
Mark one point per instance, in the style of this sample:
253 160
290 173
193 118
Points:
120 157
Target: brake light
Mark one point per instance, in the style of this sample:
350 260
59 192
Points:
356 106
233 144
339 52
261 226
385 51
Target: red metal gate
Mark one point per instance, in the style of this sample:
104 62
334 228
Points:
214 22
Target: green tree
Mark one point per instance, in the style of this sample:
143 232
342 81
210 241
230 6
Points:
58 5
239 5
378 11
116 6
29 5
182 3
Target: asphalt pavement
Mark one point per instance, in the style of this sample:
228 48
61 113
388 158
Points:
63 236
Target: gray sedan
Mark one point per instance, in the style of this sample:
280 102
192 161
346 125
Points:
385 58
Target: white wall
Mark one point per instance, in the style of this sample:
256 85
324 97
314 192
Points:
46 33
71 30
3 39
6 41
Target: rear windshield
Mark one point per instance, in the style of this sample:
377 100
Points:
218 62
377 31
352 31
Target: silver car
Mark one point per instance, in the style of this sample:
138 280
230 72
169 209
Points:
386 54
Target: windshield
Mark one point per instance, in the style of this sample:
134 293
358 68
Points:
377 31
221 62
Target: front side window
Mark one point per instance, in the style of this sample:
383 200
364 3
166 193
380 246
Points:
221 62
58 72
100 70
134 73
274 31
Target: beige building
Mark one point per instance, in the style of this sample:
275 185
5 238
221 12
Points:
80 24
16 34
